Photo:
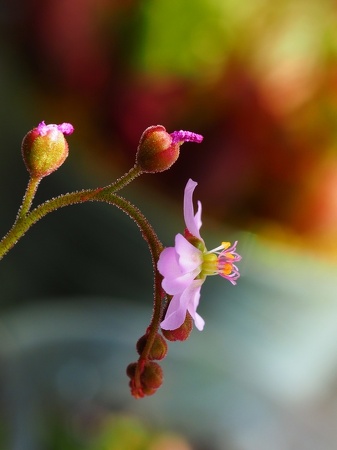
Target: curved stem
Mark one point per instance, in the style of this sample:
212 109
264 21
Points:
155 247
26 219
101 194
24 222
107 194
133 173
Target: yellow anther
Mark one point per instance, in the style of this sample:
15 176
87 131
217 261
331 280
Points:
225 245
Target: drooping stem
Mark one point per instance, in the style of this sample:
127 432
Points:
155 247
27 218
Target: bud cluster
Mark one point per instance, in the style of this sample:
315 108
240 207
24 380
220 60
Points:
146 376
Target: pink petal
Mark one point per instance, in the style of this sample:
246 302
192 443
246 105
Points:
190 257
193 222
175 279
194 297
175 315
168 263
177 285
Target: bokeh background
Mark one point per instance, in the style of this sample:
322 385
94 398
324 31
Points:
259 80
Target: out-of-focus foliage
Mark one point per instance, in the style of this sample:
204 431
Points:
257 78
111 432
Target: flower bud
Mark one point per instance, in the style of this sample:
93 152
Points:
182 333
150 379
157 351
158 150
131 369
44 149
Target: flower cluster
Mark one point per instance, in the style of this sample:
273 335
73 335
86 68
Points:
186 266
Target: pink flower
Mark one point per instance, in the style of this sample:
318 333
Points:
186 266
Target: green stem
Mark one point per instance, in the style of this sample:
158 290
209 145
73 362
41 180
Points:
26 219
133 173
33 184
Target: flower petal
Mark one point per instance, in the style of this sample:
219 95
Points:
189 257
177 285
176 313
168 264
193 222
194 296
175 279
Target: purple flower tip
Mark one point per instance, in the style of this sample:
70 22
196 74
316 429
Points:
65 128
186 136
42 128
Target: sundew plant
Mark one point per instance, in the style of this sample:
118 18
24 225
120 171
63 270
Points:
179 271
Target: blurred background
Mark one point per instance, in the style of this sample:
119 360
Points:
259 80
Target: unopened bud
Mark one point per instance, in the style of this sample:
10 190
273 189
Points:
131 369
182 333
150 378
44 149
157 351
158 150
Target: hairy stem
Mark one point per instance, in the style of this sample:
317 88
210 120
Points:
26 219
32 186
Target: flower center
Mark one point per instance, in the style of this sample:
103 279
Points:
220 261
209 265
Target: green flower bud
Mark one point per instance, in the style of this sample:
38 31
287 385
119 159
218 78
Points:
44 149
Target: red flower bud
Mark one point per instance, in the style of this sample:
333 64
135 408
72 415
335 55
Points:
157 351
150 378
44 149
158 150
182 333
